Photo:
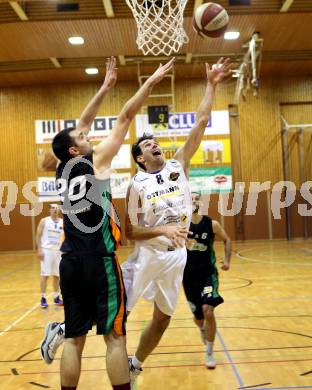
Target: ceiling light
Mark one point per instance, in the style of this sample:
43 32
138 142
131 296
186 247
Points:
231 35
92 70
76 40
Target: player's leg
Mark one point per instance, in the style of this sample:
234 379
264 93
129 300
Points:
56 284
210 329
43 291
110 319
71 361
192 292
56 278
167 287
44 275
117 361
210 323
152 334
210 299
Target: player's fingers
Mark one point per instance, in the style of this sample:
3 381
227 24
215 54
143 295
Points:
169 63
110 64
174 242
228 66
220 61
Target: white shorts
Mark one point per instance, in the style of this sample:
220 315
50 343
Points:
156 275
51 262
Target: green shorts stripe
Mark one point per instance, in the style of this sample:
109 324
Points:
112 293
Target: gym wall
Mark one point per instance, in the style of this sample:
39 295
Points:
259 126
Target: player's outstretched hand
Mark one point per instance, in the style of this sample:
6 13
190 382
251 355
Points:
161 72
220 71
176 234
111 73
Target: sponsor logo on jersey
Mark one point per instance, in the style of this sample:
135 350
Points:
207 290
160 193
174 176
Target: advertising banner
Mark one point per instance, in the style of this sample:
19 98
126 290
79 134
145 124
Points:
211 180
181 123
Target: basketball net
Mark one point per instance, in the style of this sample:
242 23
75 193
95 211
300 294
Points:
160 25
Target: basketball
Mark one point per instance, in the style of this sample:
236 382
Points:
210 20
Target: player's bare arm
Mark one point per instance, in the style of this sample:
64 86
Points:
215 75
107 149
89 113
220 232
38 239
136 232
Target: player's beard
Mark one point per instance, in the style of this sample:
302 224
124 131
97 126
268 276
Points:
195 209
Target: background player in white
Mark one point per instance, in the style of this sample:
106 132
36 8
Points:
200 279
158 217
48 237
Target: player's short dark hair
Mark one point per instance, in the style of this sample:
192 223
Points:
136 149
62 142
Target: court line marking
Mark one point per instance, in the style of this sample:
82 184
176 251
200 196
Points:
254 386
227 353
39 385
306 373
166 366
20 358
32 309
283 388
239 254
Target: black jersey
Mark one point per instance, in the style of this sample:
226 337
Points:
200 252
89 216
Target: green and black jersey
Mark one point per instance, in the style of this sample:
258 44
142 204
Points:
200 252
90 220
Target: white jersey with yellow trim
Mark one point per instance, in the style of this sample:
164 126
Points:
52 233
165 199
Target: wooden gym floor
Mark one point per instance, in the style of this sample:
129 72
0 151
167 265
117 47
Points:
264 328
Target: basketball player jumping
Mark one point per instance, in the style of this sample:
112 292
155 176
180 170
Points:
200 279
169 230
91 282
159 215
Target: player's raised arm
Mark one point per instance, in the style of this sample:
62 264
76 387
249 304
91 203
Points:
218 72
89 113
107 149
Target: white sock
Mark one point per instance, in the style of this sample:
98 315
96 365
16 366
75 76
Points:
43 295
136 363
63 326
210 347
56 294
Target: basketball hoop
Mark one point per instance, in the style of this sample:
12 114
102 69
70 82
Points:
160 25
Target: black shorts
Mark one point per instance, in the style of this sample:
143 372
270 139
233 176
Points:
201 288
93 293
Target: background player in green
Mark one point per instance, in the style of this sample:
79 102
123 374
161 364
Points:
200 279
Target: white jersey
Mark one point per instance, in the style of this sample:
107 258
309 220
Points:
52 233
164 197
